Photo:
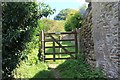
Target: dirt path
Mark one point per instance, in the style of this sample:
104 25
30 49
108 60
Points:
55 71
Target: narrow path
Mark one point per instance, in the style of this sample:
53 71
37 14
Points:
56 74
55 71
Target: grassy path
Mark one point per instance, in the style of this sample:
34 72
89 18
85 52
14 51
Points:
56 74
54 71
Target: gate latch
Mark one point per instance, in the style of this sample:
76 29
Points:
58 33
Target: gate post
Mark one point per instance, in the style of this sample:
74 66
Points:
53 51
76 44
59 38
43 39
40 46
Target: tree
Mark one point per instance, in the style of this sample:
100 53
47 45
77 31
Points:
45 10
62 15
73 21
19 21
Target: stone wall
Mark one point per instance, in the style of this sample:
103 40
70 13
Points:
86 44
0 41
99 36
105 31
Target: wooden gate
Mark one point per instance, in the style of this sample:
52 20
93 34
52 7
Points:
56 38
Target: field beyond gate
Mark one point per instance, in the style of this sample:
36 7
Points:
60 44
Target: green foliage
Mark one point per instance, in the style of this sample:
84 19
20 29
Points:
20 26
28 71
47 24
67 25
73 21
45 10
62 15
76 69
53 25
79 69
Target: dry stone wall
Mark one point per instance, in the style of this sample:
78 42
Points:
99 36
86 39
0 41
105 32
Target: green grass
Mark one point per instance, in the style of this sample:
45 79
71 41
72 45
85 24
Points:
79 69
32 68
28 71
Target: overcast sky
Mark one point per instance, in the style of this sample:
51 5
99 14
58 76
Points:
63 4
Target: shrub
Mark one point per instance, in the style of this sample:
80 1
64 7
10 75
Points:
20 20
73 21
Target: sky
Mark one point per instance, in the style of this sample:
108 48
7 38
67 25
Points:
63 4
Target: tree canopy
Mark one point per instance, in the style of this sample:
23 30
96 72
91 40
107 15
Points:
19 21
73 21
62 15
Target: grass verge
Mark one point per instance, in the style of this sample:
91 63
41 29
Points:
79 69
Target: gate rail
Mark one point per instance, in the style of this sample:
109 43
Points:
54 40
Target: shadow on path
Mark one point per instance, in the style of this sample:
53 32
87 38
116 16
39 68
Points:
51 74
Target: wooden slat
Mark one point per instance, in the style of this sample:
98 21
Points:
60 40
67 40
54 51
61 46
56 58
58 53
62 33
58 46
43 36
